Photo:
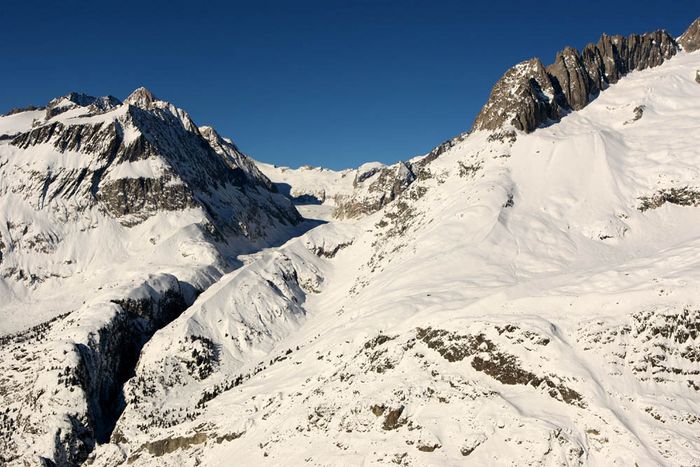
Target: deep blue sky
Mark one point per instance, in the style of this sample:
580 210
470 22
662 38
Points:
332 83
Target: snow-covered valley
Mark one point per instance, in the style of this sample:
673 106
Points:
514 297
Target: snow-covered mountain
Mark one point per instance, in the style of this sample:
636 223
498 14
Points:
525 294
88 184
113 217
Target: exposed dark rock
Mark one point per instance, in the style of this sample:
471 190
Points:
510 201
530 95
683 196
362 176
393 419
74 100
428 447
165 446
468 170
471 443
638 113
203 358
501 366
199 168
329 252
235 158
570 79
690 40
522 97
377 341
143 197
439 150
141 97
386 185
506 369
109 359
656 344
228 437
508 136
453 347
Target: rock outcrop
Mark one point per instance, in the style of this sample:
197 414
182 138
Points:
690 40
530 95
375 189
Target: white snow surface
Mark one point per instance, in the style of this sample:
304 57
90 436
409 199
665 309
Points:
526 303
516 307
19 122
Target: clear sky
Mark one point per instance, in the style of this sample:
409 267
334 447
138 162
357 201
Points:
331 83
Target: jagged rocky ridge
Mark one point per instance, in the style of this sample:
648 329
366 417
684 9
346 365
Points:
528 96
531 94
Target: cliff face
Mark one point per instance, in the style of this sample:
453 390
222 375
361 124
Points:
77 398
529 95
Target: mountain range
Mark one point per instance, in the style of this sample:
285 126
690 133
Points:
523 294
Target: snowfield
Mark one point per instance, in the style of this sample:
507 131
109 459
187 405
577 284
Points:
516 299
516 306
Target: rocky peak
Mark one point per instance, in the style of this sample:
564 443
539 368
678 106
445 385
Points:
690 40
208 132
530 95
75 100
523 95
141 97
569 68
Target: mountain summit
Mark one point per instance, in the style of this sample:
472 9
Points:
141 97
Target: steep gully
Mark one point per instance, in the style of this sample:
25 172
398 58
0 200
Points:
109 360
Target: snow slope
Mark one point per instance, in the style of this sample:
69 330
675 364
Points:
528 299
